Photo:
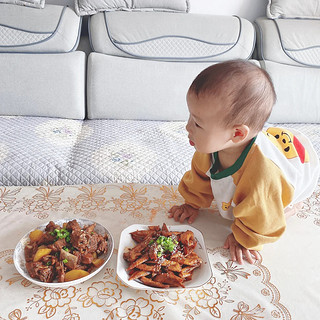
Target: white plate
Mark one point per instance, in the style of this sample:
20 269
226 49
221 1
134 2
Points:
20 261
200 275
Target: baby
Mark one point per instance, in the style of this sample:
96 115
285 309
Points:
256 177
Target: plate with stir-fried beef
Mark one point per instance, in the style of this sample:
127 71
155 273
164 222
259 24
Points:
163 257
64 252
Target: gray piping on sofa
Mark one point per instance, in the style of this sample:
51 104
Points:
259 46
253 45
260 49
285 50
89 34
45 40
194 59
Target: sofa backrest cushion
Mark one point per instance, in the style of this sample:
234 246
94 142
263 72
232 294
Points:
122 88
289 41
51 85
88 7
171 36
131 89
293 9
28 3
298 94
54 29
69 3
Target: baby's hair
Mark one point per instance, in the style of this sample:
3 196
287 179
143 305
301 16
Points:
247 90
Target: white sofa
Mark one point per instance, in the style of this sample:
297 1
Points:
115 112
290 51
41 73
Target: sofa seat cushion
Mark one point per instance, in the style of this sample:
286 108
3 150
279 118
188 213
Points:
171 36
289 41
52 29
40 151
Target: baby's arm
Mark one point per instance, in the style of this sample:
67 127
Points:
260 196
183 212
195 188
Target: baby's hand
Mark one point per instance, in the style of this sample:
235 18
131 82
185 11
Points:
237 251
183 212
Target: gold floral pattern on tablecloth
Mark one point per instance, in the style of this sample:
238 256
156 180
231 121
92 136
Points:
307 213
7 198
18 277
134 309
45 200
131 201
104 296
52 299
235 273
231 270
90 200
101 294
243 312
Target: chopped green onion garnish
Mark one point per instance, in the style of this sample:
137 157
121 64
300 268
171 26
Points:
165 244
62 233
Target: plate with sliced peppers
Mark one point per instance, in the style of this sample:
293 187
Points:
64 252
162 257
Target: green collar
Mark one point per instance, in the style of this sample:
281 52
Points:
234 168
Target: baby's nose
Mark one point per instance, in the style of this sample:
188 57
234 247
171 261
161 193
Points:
188 126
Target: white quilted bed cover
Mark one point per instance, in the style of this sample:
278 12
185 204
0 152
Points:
41 151
53 151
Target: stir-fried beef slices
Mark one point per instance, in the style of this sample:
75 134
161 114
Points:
64 253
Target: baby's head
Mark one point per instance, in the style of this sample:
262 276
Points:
230 95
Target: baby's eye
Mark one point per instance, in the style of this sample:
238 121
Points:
197 125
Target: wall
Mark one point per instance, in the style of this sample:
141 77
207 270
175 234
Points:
249 9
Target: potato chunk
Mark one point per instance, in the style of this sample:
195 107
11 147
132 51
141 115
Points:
35 235
41 253
75 274
97 262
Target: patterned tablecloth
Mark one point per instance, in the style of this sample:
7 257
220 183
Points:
283 284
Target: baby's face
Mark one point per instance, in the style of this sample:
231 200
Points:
206 130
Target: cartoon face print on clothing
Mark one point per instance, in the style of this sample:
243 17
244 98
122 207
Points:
226 205
288 144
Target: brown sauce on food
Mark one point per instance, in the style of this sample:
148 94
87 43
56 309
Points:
51 254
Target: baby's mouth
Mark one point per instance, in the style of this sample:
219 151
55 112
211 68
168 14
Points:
191 143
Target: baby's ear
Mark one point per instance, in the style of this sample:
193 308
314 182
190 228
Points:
240 133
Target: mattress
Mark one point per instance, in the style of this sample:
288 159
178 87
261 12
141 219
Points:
50 151
38 151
